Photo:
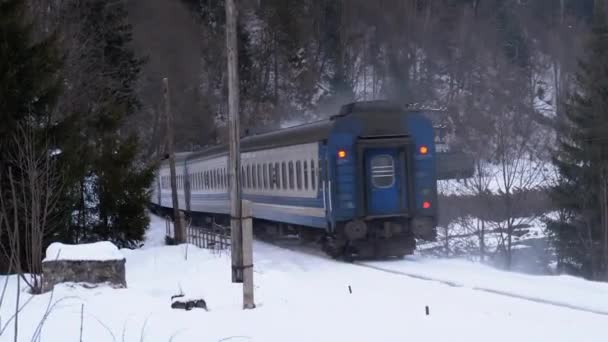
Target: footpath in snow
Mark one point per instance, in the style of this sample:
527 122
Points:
301 297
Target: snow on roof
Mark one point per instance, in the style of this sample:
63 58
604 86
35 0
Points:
100 251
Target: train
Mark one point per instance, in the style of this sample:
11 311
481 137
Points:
362 183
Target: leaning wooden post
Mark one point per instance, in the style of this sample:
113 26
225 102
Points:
248 302
235 154
177 224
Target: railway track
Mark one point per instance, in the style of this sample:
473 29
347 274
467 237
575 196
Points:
310 250
484 289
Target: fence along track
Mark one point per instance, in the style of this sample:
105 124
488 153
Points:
215 237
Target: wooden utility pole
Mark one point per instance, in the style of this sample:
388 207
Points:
235 150
247 224
177 222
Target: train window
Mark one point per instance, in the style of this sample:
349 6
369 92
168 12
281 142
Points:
312 175
254 177
299 174
283 176
260 177
291 175
224 179
275 178
242 176
265 175
305 175
383 171
248 176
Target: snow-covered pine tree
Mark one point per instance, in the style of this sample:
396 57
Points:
581 234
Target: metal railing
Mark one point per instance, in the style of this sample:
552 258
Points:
215 236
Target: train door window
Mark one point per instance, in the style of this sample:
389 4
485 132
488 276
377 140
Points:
299 174
291 175
305 175
283 176
254 177
383 171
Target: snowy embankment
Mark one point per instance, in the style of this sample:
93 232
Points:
301 297
565 291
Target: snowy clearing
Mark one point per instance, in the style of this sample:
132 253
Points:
301 297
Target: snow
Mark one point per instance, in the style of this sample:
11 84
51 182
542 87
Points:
102 251
301 297
155 237
561 290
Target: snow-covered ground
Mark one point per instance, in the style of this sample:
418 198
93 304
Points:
301 297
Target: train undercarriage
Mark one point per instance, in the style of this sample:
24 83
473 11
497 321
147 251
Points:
357 239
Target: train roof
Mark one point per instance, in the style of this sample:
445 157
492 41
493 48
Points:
305 133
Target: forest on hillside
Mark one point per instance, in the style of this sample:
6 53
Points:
521 84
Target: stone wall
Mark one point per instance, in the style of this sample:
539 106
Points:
111 272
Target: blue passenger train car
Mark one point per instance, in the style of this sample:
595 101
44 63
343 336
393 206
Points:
362 182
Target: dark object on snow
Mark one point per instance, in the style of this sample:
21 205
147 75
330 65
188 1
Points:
427 310
349 289
188 304
110 272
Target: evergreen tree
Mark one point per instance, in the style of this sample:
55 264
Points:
29 87
111 196
29 82
582 161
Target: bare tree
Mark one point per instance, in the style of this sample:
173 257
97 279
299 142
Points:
26 210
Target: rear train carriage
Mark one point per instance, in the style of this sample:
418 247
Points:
363 182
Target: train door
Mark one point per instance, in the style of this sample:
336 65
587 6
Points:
383 171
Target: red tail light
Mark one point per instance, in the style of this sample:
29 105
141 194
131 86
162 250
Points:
426 205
